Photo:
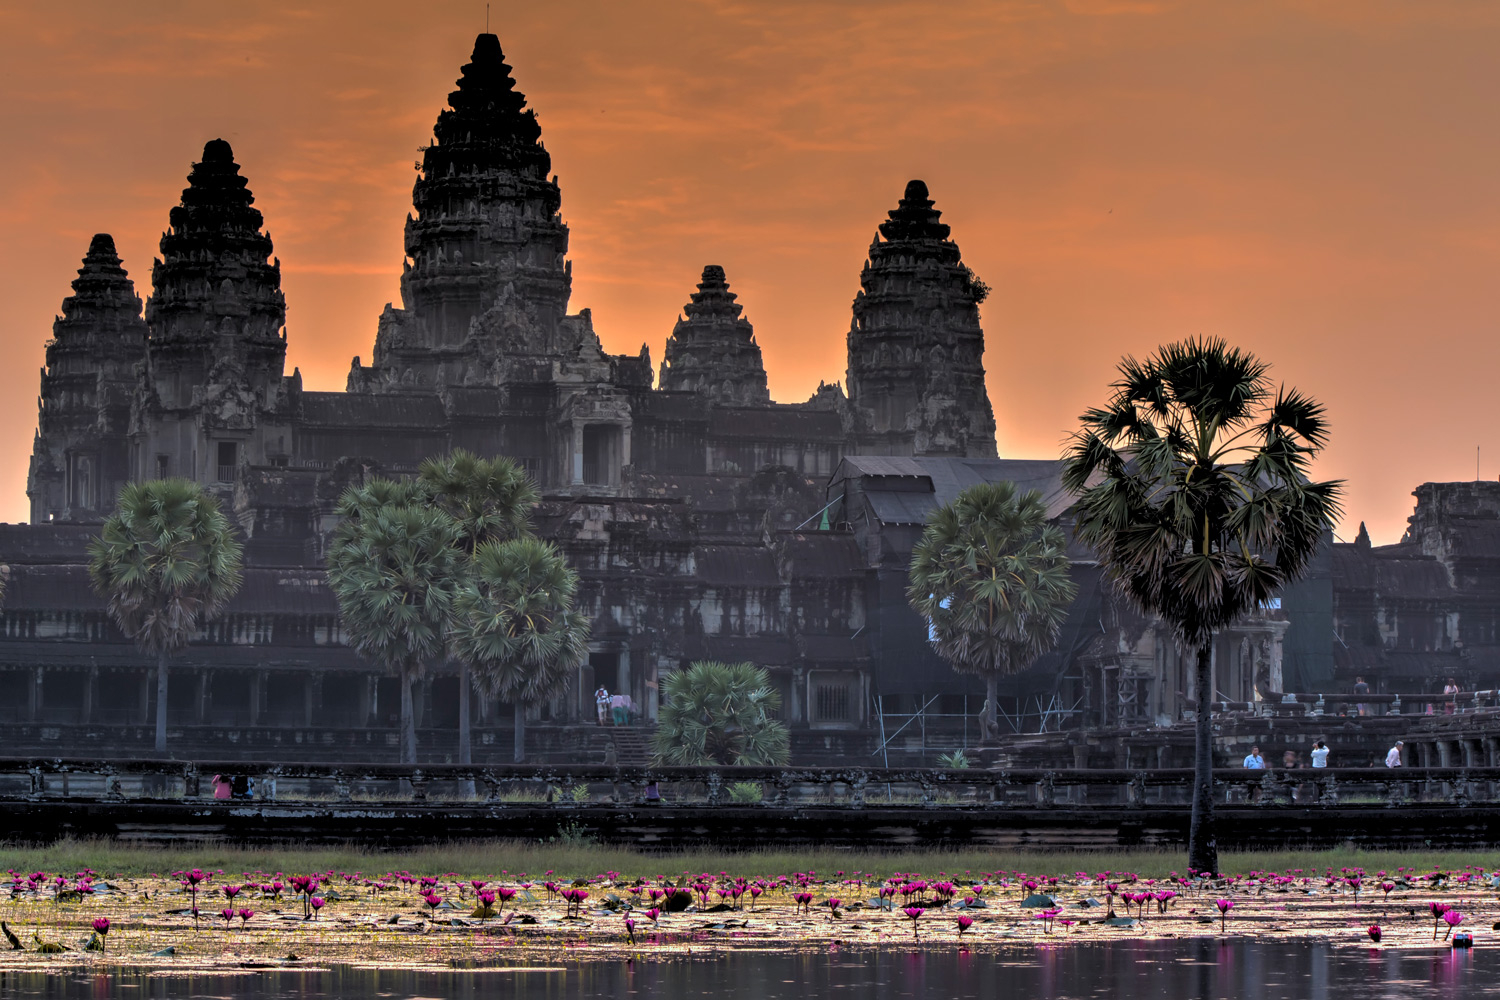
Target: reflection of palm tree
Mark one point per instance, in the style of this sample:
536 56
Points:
516 624
1193 492
491 499
165 562
990 575
716 713
393 566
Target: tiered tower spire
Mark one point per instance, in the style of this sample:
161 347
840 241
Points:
713 350
79 457
216 297
916 371
486 279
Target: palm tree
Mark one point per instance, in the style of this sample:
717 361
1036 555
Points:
394 566
166 561
491 500
515 622
717 713
1193 491
990 575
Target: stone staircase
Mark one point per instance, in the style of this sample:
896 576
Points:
632 745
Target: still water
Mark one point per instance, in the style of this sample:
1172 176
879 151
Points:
1131 969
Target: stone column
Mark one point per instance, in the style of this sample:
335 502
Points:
799 686
312 697
205 680
143 706
1471 753
422 701
1444 753
369 700
34 699
622 672
577 453
1490 744
90 695
257 696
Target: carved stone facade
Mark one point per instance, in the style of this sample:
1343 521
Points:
693 508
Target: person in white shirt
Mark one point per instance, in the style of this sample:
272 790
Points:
601 702
1393 758
1319 754
1255 761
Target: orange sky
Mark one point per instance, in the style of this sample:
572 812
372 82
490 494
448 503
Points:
1319 182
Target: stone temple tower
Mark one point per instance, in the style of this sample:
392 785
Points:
713 350
80 457
213 379
485 285
916 370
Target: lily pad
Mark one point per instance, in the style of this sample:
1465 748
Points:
1121 921
1036 899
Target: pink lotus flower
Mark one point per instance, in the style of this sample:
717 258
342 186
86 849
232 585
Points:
914 913
964 923
1452 918
1224 905
630 929
228 914
432 899
1374 933
317 903
245 916
833 905
654 913
1438 909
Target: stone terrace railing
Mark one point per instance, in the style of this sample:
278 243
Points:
1378 704
492 789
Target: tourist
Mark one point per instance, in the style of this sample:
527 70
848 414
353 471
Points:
1319 754
619 709
1255 762
601 703
223 786
1290 760
1449 690
1360 687
1393 756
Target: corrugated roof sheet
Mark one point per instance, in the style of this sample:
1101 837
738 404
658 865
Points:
951 476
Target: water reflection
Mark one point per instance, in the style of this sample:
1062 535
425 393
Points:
1196 967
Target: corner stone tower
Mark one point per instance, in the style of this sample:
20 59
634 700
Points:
217 343
485 284
916 370
713 350
80 456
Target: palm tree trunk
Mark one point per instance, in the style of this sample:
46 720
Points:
1203 845
408 722
991 706
520 754
161 702
465 755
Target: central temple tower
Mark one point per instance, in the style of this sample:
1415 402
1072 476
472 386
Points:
485 284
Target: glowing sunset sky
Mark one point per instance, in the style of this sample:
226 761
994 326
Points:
1319 183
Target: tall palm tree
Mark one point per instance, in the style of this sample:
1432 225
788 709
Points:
166 561
716 713
490 499
515 622
1193 490
394 566
990 575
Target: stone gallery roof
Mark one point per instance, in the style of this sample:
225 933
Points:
265 591
357 411
779 421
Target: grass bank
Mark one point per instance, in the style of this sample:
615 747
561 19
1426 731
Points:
572 859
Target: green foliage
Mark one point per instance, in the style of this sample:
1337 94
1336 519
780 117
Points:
991 576
491 499
957 759
515 620
165 562
744 793
394 567
1193 487
716 713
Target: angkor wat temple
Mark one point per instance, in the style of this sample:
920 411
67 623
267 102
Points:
706 520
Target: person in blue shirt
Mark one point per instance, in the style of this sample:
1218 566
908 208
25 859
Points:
1255 762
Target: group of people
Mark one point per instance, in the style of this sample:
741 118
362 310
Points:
1290 759
614 709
